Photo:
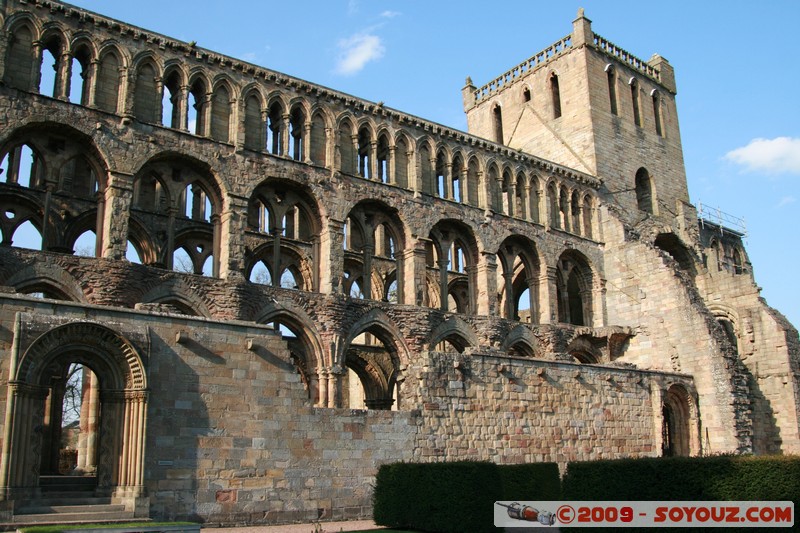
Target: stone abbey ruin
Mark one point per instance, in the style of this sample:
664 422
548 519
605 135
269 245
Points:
288 286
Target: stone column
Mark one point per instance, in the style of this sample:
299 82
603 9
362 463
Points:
508 280
306 140
448 181
366 286
89 424
373 160
331 265
548 305
443 284
19 467
322 377
391 171
275 263
113 237
63 76
285 137
90 83
498 204
36 74
487 284
414 273
233 224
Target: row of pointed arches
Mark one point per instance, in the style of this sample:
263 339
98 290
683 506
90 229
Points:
55 200
168 92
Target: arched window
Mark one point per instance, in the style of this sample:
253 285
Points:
253 130
637 116
171 111
297 121
657 113
284 225
196 107
644 191
275 129
574 289
442 186
552 202
401 161
145 97
319 140
21 165
108 82
346 151
79 82
385 174
611 77
526 94
497 117
555 94
50 81
517 280
19 58
365 153
221 114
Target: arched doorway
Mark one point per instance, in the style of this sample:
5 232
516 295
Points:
120 407
676 423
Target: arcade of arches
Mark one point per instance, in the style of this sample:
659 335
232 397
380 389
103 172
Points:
231 294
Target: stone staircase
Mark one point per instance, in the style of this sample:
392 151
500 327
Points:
69 500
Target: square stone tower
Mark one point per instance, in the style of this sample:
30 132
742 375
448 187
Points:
588 104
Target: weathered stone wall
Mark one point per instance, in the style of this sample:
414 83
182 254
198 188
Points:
394 285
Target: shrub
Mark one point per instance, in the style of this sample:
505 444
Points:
456 496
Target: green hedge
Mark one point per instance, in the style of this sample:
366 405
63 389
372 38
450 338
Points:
457 496
685 478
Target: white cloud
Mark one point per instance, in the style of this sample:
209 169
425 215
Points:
773 156
357 51
786 200
389 14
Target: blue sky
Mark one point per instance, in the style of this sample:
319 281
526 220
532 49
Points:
736 64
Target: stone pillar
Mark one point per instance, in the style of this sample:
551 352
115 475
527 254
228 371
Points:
127 90
391 171
334 384
366 286
548 305
322 376
113 237
498 203
443 284
159 82
331 265
90 83
89 424
306 140
63 76
447 178
169 251
275 262
233 226
487 284
414 273
36 73
355 164
508 280
373 160
19 466
285 137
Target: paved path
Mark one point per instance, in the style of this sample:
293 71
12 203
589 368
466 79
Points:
325 527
